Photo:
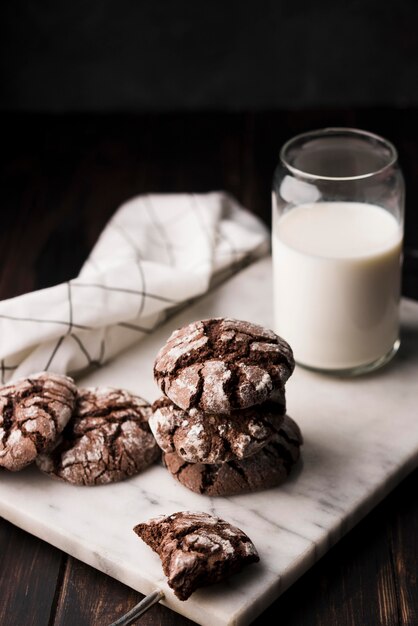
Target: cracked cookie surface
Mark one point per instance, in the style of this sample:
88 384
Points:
267 468
33 412
107 440
196 549
221 364
199 437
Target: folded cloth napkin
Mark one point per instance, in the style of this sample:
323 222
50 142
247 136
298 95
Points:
155 254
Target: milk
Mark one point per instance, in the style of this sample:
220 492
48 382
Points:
337 282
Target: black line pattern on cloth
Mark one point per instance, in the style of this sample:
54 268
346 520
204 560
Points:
167 222
138 259
200 221
90 361
175 305
54 351
161 317
142 273
70 305
171 220
242 253
224 236
156 241
33 319
6 368
234 251
235 254
216 280
130 291
159 227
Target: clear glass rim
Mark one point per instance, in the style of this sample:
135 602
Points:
332 130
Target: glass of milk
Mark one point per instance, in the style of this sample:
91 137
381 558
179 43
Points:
338 199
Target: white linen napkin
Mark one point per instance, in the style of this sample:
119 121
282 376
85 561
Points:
156 253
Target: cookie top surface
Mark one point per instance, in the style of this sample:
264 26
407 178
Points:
196 549
267 468
221 364
199 437
107 440
33 412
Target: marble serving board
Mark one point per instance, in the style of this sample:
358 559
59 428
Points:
361 439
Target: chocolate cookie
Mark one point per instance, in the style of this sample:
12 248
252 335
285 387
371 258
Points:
209 438
268 468
218 365
107 440
197 549
33 412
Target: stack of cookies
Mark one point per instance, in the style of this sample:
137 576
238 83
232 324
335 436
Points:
222 422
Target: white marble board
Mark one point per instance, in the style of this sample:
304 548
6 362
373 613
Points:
361 439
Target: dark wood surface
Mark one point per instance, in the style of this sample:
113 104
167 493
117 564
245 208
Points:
61 179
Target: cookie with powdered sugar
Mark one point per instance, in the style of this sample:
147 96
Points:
107 440
269 467
199 437
219 365
197 549
33 412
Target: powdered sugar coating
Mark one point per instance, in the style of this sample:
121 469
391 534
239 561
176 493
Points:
215 375
107 440
268 468
197 549
199 437
218 365
33 412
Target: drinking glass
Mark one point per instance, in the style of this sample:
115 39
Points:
337 230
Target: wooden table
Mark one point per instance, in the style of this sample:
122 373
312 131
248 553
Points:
62 177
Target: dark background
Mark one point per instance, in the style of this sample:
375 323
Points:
104 99
165 55
210 87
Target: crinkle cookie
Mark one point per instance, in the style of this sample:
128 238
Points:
33 412
267 468
196 549
107 440
209 438
218 365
